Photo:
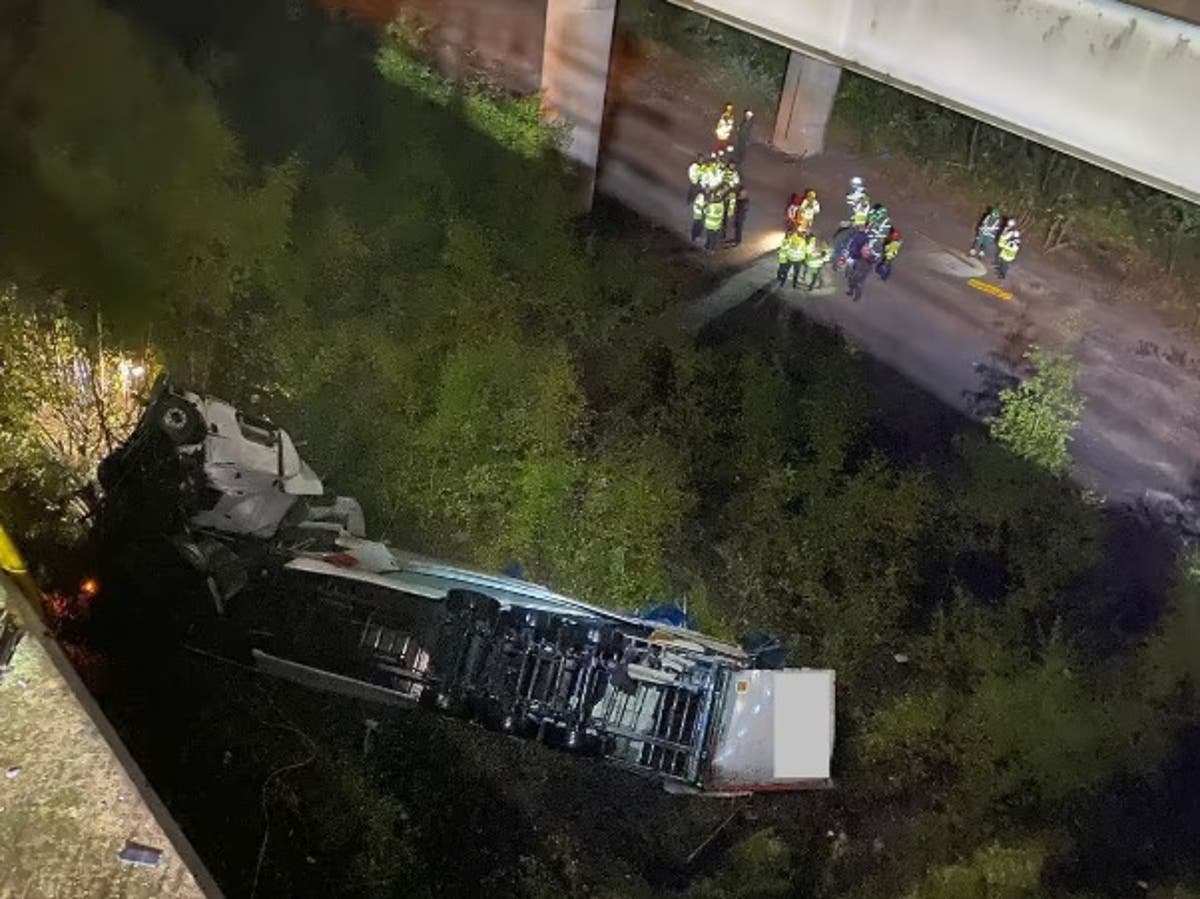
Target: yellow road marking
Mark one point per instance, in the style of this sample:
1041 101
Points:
998 292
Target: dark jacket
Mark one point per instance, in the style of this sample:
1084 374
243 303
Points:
743 140
860 241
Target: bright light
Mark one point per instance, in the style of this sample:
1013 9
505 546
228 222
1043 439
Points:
770 241
89 587
138 371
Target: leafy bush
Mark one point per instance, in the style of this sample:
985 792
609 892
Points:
1038 417
994 872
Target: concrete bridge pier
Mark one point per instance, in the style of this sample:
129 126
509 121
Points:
804 106
575 62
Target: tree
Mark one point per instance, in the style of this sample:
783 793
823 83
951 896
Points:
758 867
67 402
1038 416
996 871
130 188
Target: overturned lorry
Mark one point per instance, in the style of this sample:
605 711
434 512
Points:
288 568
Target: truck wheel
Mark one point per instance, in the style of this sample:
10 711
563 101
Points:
179 420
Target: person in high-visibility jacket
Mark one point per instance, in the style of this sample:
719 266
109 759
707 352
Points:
714 172
792 253
879 222
860 210
985 233
891 249
695 172
1007 248
725 126
698 204
731 177
714 220
782 272
858 189
739 215
815 261
731 205
807 213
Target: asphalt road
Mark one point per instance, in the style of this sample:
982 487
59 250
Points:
1139 438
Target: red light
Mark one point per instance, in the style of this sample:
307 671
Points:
89 587
341 560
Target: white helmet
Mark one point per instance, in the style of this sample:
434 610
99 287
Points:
856 181
1016 233
1012 223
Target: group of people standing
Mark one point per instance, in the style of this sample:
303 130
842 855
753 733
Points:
715 192
999 238
802 254
865 242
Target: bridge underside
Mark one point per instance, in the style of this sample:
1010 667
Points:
1107 82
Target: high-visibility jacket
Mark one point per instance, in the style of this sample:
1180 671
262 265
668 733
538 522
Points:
817 257
694 172
714 215
1009 247
880 226
724 129
730 203
860 209
990 226
891 249
797 248
713 175
809 209
698 207
732 179
783 252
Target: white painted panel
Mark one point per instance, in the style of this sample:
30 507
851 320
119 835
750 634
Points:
803 725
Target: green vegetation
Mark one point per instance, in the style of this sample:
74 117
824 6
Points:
1070 202
485 372
513 122
1037 416
747 70
67 402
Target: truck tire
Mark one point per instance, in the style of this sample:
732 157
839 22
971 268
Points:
179 420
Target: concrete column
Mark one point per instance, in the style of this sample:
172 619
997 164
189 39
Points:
808 91
575 61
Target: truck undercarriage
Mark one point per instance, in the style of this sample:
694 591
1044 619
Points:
310 598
